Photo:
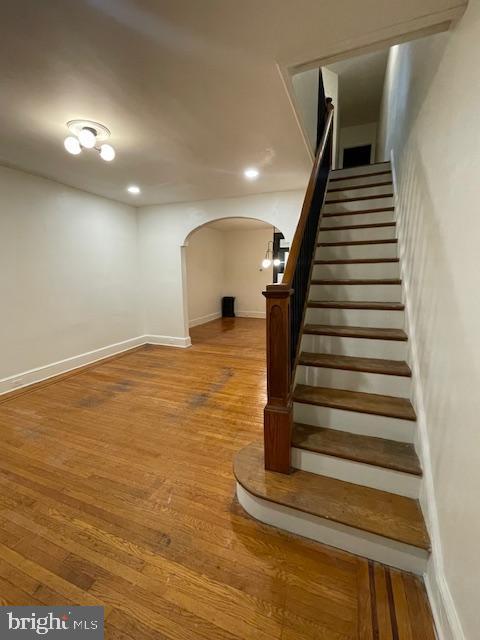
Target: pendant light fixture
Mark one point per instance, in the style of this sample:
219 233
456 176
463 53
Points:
269 259
88 135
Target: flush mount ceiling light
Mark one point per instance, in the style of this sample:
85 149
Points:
88 135
251 173
133 189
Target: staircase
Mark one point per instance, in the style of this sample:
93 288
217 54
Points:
356 477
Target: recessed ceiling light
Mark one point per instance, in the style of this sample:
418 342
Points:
133 189
251 173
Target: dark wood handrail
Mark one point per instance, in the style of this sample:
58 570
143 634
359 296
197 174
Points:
307 202
285 304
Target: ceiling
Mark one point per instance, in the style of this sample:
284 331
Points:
190 89
360 87
239 224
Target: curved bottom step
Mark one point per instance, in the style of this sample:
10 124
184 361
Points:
273 499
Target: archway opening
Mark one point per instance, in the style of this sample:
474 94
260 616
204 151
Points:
231 258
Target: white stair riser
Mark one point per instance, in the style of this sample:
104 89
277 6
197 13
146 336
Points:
355 235
359 347
402 484
358 205
364 218
356 317
399 386
355 422
361 543
360 193
358 270
353 251
364 180
358 292
361 171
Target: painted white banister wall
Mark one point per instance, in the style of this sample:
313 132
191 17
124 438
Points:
429 128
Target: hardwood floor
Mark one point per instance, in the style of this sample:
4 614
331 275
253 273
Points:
116 488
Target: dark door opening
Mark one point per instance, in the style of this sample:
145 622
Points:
356 156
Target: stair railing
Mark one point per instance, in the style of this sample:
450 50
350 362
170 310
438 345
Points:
286 303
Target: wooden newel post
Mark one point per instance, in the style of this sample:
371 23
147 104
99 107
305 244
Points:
278 414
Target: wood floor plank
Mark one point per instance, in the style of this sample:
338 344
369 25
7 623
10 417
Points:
405 630
365 602
383 610
116 488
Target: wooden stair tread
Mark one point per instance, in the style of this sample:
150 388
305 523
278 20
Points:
372 403
358 198
361 186
357 213
361 175
356 304
384 514
373 225
357 242
357 281
398 456
346 331
354 363
357 261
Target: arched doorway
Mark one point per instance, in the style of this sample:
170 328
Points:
224 257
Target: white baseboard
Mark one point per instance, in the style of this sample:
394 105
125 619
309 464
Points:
203 319
447 622
214 316
168 341
446 618
40 374
250 314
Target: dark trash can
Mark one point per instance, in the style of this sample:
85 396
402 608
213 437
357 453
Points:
228 307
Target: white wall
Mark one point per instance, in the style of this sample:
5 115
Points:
305 86
163 231
430 122
330 85
356 136
244 278
205 262
68 274
83 277
226 263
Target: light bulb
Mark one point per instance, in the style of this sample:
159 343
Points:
266 262
72 145
87 138
251 173
276 262
133 189
107 152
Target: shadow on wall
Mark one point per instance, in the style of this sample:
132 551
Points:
445 367
398 106
223 258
